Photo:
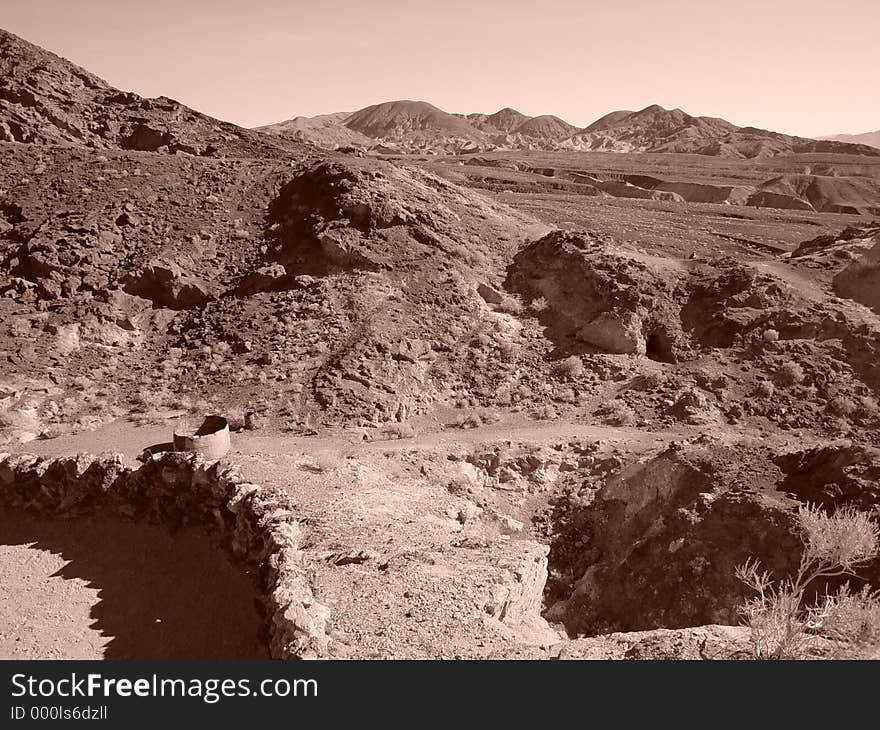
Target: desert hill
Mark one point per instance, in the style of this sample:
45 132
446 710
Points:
325 130
655 129
547 127
45 99
504 121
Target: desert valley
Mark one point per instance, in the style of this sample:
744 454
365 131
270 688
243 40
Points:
498 386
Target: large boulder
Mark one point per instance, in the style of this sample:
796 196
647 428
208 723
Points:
167 285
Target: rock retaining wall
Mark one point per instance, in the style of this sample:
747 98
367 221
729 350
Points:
259 524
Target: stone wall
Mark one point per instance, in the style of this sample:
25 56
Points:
258 524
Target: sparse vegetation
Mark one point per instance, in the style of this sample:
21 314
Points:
475 420
538 305
842 406
510 305
571 367
789 373
545 413
616 413
834 546
399 431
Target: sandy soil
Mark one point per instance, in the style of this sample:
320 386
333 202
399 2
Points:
93 588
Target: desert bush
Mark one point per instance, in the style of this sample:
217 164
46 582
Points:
487 415
510 305
616 413
841 406
648 381
14 420
321 463
146 400
476 419
867 408
571 367
538 305
789 373
834 546
545 413
848 617
399 431
470 420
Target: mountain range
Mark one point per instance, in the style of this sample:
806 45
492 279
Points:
45 99
417 127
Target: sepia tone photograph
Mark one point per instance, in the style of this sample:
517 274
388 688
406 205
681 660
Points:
439 330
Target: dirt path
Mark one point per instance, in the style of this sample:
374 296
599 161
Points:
126 438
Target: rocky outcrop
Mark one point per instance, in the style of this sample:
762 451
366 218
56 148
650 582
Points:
518 596
599 299
860 280
167 285
259 525
659 541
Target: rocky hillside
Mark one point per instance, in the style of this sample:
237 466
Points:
45 99
327 131
655 129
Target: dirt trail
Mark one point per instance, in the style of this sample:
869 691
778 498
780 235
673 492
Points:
130 439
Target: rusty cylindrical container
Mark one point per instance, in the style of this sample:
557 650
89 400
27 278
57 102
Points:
211 440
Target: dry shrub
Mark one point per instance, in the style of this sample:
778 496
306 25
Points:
14 420
470 420
648 381
321 463
852 618
475 420
616 413
841 406
487 415
834 546
510 305
399 431
789 373
571 367
538 305
545 413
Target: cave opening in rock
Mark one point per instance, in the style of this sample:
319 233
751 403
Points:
659 347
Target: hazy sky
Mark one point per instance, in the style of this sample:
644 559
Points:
804 67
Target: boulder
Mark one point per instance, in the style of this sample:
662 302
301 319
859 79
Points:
166 285
616 332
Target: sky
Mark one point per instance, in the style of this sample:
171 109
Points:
805 67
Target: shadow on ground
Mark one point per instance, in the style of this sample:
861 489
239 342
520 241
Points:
160 595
